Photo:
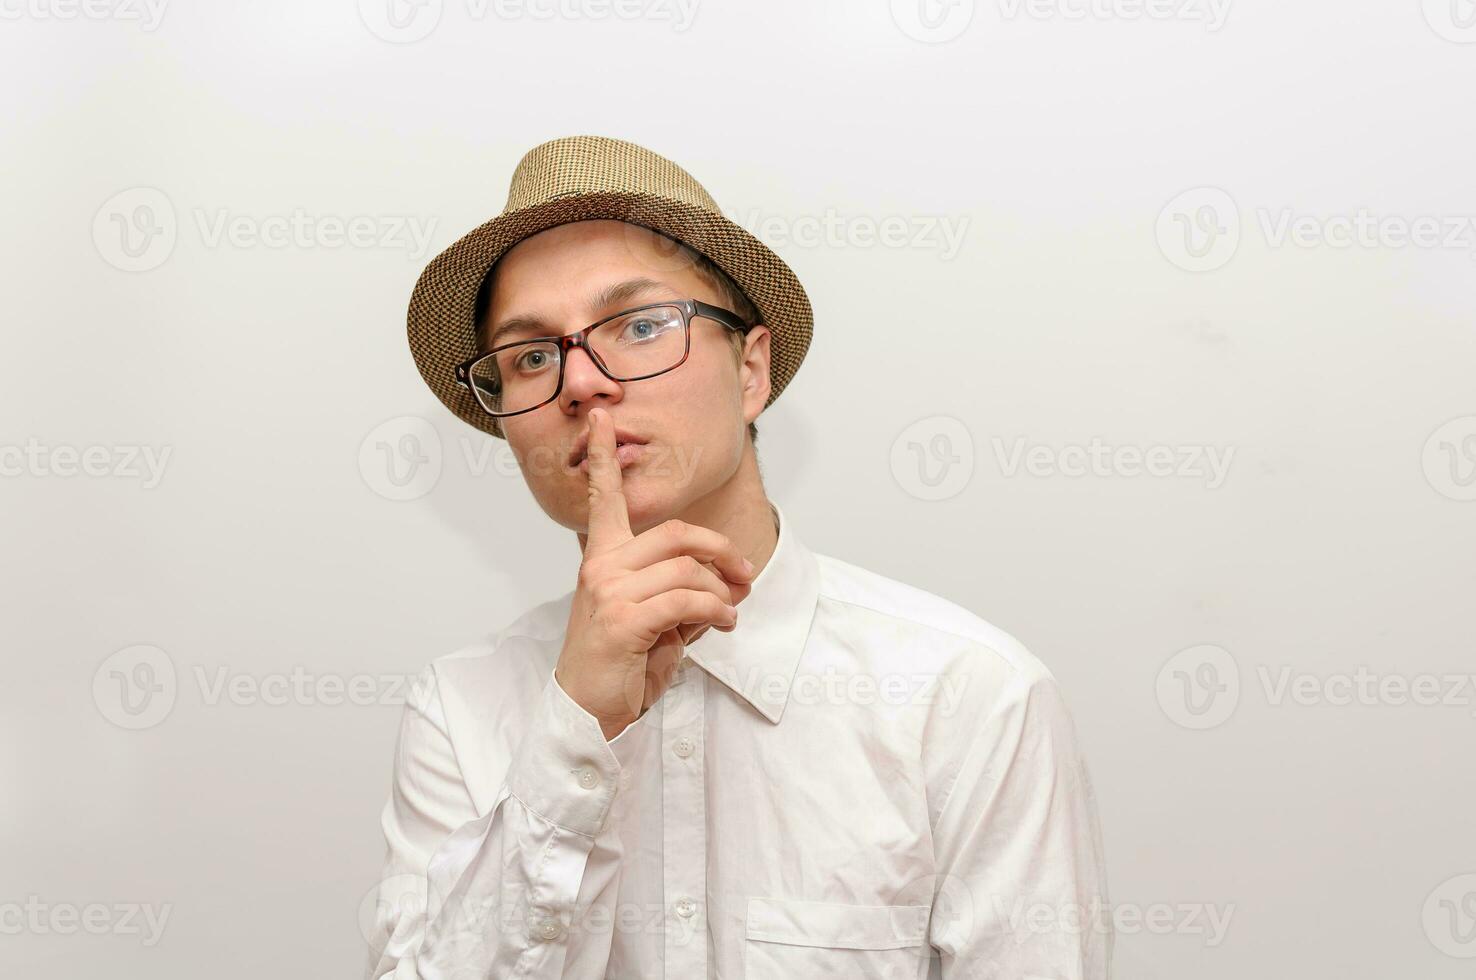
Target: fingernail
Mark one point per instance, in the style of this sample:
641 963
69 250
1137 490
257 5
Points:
748 566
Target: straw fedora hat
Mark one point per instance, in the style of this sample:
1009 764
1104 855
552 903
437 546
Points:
578 178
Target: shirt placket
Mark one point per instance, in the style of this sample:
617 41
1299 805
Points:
684 823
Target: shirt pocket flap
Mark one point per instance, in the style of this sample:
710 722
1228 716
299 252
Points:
835 925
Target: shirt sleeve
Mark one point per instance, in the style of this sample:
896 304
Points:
1021 887
493 895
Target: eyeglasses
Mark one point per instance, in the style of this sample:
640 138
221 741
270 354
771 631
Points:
631 345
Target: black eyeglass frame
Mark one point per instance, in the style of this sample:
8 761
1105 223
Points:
688 307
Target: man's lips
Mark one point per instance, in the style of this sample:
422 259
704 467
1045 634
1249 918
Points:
622 438
625 454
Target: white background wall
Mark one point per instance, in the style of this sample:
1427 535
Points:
1058 140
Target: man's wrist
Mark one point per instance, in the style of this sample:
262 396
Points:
610 728
614 729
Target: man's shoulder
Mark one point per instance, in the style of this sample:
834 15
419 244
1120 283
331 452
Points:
482 694
934 623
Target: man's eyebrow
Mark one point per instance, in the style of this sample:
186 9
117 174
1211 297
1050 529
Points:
616 294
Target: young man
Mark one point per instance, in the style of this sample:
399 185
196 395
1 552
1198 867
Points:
720 754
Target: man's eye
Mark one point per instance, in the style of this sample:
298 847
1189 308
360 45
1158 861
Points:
530 360
645 327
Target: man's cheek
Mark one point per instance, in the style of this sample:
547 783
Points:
541 463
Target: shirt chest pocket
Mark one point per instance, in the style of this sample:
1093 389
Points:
787 939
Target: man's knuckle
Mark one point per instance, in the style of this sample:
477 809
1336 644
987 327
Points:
599 590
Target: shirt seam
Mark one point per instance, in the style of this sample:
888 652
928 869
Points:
968 754
1014 667
444 728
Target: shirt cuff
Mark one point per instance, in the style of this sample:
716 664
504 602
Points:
564 770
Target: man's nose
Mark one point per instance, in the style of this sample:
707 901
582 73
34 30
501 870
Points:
583 380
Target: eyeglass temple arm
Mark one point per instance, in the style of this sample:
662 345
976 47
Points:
726 317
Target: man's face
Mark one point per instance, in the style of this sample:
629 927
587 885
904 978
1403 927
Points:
693 419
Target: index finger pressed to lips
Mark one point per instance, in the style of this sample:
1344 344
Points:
609 519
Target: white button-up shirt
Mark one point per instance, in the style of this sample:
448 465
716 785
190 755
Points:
862 780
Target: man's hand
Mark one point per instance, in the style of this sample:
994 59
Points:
640 598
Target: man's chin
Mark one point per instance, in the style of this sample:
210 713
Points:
648 502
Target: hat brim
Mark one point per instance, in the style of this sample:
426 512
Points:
442 306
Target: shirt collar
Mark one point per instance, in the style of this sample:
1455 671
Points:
758 659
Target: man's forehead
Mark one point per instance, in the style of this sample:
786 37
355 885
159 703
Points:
611 297
642 265
616 250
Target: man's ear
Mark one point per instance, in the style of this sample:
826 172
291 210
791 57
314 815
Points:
753 370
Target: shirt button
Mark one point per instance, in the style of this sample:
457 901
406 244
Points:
683 746
588 778
686 908
548 929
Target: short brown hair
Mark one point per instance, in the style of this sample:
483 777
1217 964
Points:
706 268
